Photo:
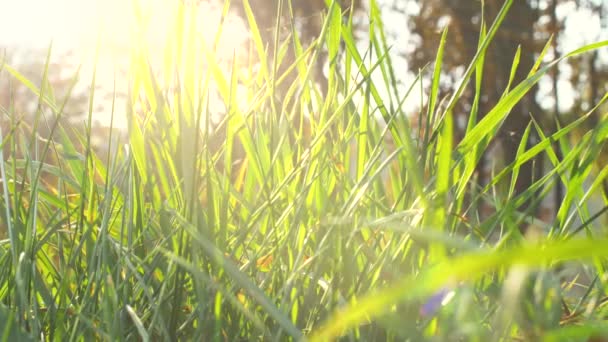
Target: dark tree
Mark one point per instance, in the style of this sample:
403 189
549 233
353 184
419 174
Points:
464 18
529 24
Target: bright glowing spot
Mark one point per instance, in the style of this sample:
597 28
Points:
80 29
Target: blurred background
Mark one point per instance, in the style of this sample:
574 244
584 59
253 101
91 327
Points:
90 35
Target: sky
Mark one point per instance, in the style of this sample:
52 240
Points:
78 25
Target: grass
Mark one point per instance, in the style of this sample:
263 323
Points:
298 215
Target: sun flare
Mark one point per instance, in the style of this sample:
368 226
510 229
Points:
102 35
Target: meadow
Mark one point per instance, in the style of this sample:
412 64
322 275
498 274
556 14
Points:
296 215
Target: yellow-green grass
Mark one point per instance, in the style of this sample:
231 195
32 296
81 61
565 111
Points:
300 215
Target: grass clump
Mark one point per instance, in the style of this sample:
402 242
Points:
296 215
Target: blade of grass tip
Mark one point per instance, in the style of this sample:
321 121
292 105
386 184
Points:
520 151
468 267
586 48
141 330
437 75
431 118
299 63
551 153
479 54
109 162
136 142
257 39
424 124
317 49
381 45
472 121
541 56
478 77
514 65
220 28
279 53
333 47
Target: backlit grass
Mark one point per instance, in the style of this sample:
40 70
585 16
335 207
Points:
297 215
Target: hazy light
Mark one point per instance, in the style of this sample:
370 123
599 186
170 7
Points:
77 28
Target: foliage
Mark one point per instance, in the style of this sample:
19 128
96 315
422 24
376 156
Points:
299 215
524 34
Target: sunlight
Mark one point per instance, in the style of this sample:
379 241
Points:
77 25
111 29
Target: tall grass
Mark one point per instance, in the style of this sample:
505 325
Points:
299 215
